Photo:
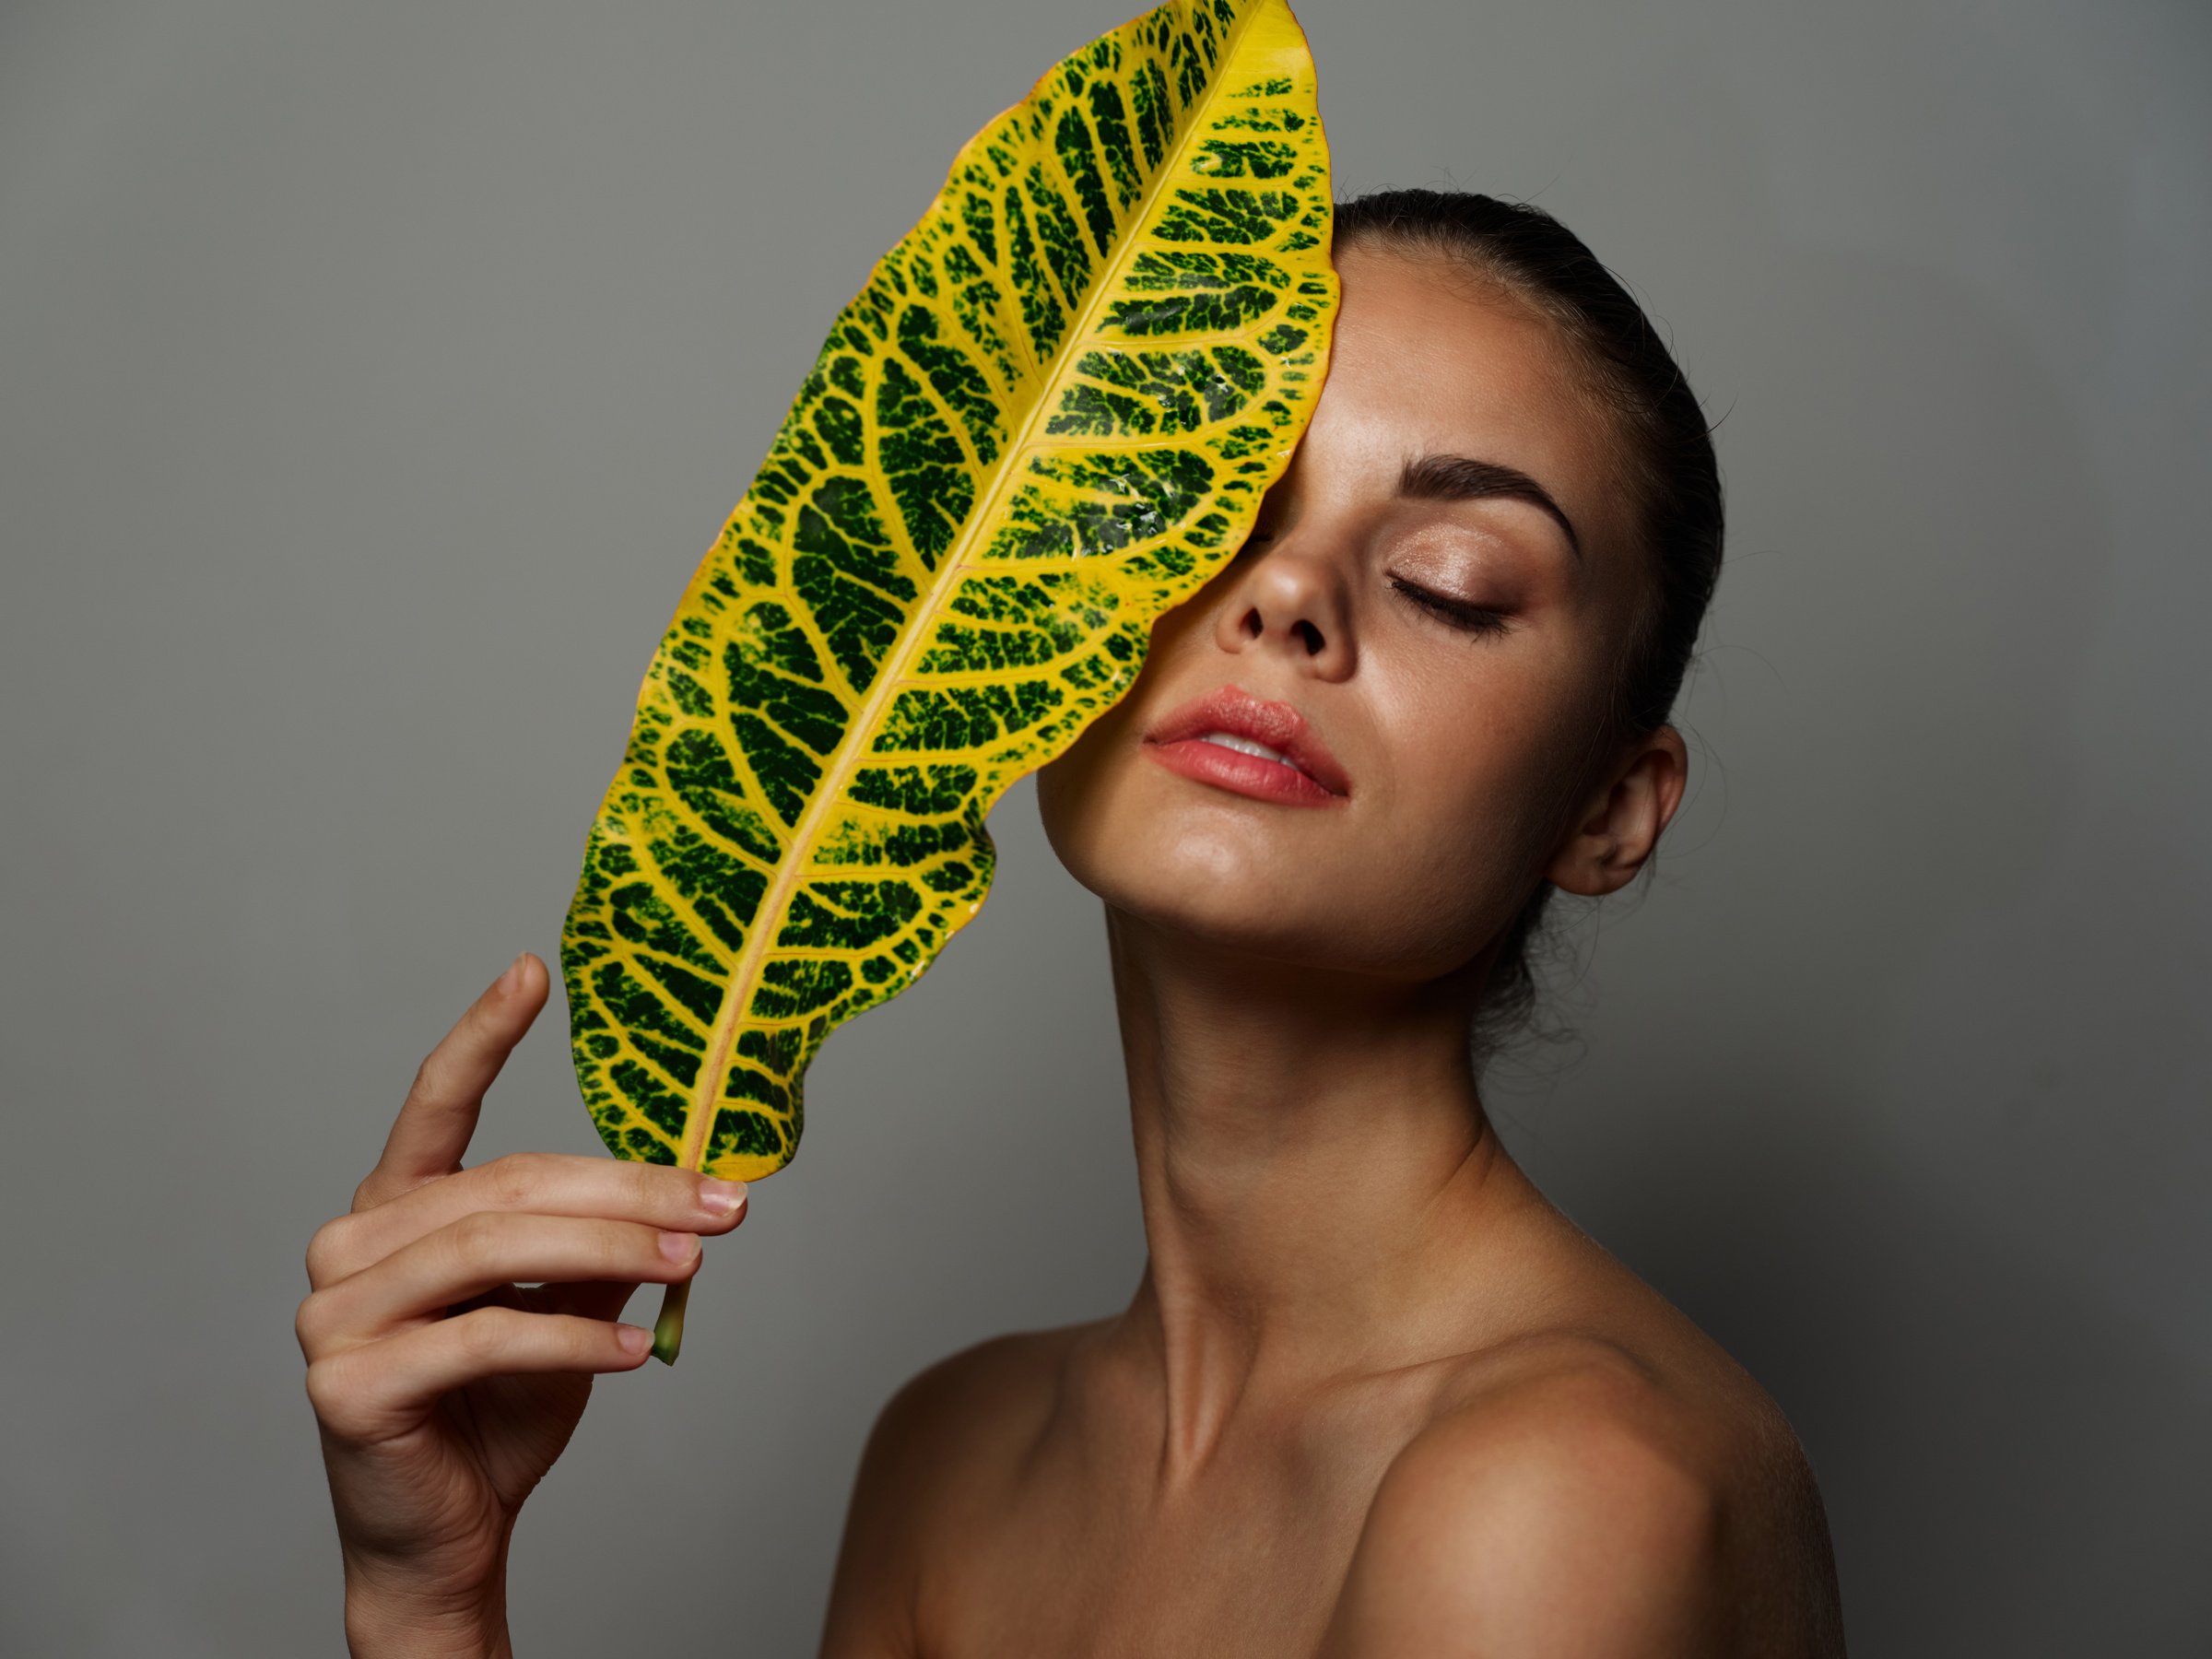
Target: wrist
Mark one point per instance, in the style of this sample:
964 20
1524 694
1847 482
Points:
386 1621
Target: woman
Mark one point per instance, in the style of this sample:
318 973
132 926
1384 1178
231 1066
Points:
1375 1397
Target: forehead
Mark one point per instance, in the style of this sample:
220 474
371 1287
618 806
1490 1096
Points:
1427 358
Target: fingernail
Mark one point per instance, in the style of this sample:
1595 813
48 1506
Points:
512 981
635 1339
679 1246
721 1197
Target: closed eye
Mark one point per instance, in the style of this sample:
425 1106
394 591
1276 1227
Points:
1457 613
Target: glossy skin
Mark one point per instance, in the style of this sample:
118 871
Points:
1374 1396
1465 750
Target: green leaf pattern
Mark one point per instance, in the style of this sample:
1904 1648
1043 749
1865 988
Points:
1049 417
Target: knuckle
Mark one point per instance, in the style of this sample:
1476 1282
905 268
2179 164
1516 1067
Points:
311 1325
475 1236
655 1189
328 1394
622 1245
518 1179
327 1253
484 1335
425 1086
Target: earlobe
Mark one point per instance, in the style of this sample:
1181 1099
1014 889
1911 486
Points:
1591 863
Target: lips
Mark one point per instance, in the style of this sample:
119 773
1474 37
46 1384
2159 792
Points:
1277 725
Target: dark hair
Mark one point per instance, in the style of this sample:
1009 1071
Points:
1667 461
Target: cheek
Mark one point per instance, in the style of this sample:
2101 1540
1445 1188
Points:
1087 798
1462 762
1448 882
1064 788
1481 785
1081 795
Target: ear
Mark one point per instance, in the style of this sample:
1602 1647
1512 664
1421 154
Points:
1622 821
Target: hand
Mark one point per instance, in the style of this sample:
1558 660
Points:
443 1387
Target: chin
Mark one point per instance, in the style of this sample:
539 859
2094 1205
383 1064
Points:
1237 875
1214 887
1212 893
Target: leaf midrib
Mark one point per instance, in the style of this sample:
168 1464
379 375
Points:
737 994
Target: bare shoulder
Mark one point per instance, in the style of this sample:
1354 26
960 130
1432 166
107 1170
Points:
1578 1495
943 1443
992 1396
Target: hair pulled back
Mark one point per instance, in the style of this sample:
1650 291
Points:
1665 457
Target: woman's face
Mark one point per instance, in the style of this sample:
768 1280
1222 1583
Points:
1445 641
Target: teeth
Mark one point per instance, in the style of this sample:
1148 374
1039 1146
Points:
1245 746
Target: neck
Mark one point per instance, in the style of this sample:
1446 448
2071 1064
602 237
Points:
1315 1167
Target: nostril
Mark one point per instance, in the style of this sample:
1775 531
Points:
1253 627
1311 635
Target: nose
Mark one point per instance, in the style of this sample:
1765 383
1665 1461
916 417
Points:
1290 600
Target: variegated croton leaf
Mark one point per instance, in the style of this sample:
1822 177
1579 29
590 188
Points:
1049 417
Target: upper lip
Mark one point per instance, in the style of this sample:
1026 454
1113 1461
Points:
1232 709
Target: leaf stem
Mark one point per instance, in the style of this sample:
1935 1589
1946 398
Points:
668 1330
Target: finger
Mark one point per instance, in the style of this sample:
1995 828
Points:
440 1114
383 1389
542 1183
469 1256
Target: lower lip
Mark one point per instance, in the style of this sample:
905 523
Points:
1240 774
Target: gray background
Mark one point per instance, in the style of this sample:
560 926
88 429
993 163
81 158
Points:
372 377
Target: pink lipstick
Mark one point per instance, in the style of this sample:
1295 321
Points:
1242 742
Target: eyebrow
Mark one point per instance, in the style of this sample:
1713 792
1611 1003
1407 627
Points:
1459 479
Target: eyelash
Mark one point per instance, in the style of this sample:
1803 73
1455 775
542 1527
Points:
1467 618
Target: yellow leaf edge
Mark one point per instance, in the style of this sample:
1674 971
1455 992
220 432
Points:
1269 31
